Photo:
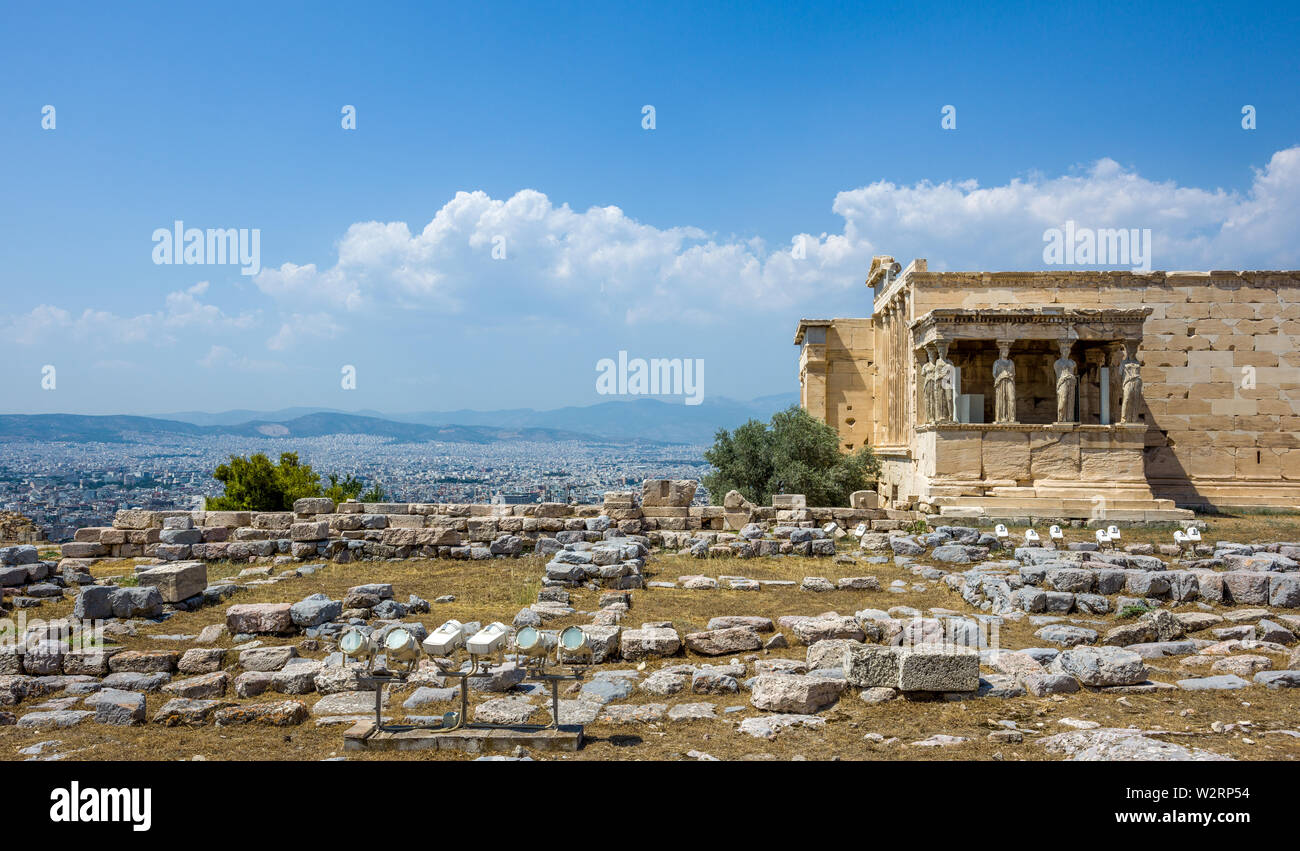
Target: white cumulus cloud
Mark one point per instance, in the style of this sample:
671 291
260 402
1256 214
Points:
480 253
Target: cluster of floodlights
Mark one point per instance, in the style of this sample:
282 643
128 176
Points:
533 650
402 652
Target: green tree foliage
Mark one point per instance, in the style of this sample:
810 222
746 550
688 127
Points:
342 491
351 488
256 484
296 480
794 453
252 484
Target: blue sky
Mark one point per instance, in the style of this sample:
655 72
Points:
772 121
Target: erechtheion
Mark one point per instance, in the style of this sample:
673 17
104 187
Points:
1078 394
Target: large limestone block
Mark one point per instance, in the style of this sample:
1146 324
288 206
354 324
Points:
176 582
649 642
313 505
227 518
938 669
794 693
311 531
1102 459
74 549
259 618
864 499
871 666
720 642
1006 455
273 520
667 492
958 454
1102 666
1054 455
136 518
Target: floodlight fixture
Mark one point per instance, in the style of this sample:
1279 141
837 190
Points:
1103 537
1113 532
488 640
358 645
400 646
1193 534
575 646
445 640
534 644
1031 536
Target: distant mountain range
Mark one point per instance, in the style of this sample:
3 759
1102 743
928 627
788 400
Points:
75 428
639 420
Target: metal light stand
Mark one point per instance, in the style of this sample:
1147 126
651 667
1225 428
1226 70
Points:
539 674
478 667
377 678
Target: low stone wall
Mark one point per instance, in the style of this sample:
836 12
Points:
319 528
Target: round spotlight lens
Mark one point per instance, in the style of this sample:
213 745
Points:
526 638
355 644
400 644
573 638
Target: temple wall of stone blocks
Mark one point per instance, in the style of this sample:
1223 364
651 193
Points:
836 371
1220 375
1220 369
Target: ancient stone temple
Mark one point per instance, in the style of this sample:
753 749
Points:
1074 394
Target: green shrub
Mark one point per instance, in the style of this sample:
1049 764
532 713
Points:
794 453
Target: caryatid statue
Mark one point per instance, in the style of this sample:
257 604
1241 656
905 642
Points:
943 403
1004 385
927 387
1131 384
1067 380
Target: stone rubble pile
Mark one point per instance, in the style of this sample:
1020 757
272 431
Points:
1062 581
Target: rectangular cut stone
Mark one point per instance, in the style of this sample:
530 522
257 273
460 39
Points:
1054 455
227 518
312 531
1006 455
273 520
259 618
670 492
871 666
941 668
958 455
176 582
313 505
135 518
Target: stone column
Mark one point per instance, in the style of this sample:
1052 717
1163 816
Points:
1004 385
928 385
1093 360
1067 382
943 389
1114 359
1131 384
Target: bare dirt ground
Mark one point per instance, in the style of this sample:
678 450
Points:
496 590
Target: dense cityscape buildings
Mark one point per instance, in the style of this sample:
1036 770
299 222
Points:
63 486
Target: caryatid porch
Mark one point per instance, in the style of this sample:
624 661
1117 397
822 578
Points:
1040 406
